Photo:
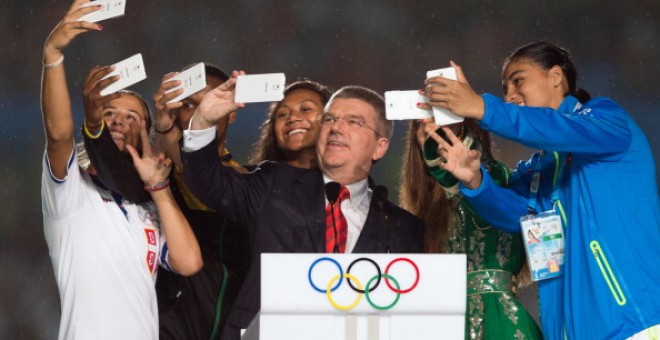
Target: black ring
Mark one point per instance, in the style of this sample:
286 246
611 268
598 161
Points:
348 271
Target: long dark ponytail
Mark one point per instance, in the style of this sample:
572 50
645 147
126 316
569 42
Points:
548 55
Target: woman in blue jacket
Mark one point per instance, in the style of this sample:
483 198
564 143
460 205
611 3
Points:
595 172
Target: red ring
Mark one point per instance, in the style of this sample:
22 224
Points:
401 291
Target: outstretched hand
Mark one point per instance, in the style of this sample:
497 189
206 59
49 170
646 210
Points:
166 112
455 95
68 29
458 159
217 104
153 169
92 98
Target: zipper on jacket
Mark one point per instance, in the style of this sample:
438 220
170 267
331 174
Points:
608 275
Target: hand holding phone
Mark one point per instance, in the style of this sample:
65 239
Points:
109 9
192 80
130 71
443 116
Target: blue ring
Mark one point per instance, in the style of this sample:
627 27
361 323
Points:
309 274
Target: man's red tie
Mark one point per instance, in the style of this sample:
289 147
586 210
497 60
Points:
339 223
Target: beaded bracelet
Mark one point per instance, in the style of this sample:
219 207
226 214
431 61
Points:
159 186
55 64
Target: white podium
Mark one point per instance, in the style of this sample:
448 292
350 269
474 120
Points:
361 297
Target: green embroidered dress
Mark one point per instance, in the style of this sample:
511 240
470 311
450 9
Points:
493 256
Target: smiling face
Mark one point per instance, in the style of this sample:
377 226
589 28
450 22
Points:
297 121
346 152
123 117
528 84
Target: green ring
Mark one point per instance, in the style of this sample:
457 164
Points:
366 292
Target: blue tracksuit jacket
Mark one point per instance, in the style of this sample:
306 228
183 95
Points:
608 197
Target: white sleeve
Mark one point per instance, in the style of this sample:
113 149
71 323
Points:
194 140
164 259
61 197
164 251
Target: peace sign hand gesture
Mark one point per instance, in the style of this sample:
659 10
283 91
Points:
153 169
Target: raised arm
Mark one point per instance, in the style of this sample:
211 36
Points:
55 100
217 104
184 254
600 127
167 130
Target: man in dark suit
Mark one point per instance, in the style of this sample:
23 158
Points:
285 207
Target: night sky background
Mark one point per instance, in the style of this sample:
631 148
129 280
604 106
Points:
382 44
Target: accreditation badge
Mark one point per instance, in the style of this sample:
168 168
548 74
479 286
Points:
544 243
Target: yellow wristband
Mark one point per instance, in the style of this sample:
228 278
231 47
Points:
98 132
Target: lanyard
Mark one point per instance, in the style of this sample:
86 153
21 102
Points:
560 164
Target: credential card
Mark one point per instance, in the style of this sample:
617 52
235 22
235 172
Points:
544 242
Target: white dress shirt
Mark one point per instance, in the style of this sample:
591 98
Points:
355 210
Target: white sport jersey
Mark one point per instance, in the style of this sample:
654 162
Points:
105 258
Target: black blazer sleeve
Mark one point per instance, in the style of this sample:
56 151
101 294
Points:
238 196
114 168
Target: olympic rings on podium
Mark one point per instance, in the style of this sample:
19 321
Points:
333 303
348 271
387 270
398 295
350 279
309 274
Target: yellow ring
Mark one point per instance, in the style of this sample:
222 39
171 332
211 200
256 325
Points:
328 292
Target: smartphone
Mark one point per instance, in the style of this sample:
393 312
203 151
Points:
440 115
254 88
130 71
109 9
192 79
402 105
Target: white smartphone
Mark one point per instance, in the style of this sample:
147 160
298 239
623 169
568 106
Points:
254 88
130 71
192 79
110 9
440 115
402 105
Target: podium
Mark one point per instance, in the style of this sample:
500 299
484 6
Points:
360 297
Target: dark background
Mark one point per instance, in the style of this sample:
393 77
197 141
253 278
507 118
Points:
382 44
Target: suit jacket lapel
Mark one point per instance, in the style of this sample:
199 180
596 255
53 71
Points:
310 194
373 234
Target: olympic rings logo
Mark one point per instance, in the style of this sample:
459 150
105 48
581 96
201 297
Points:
355 284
